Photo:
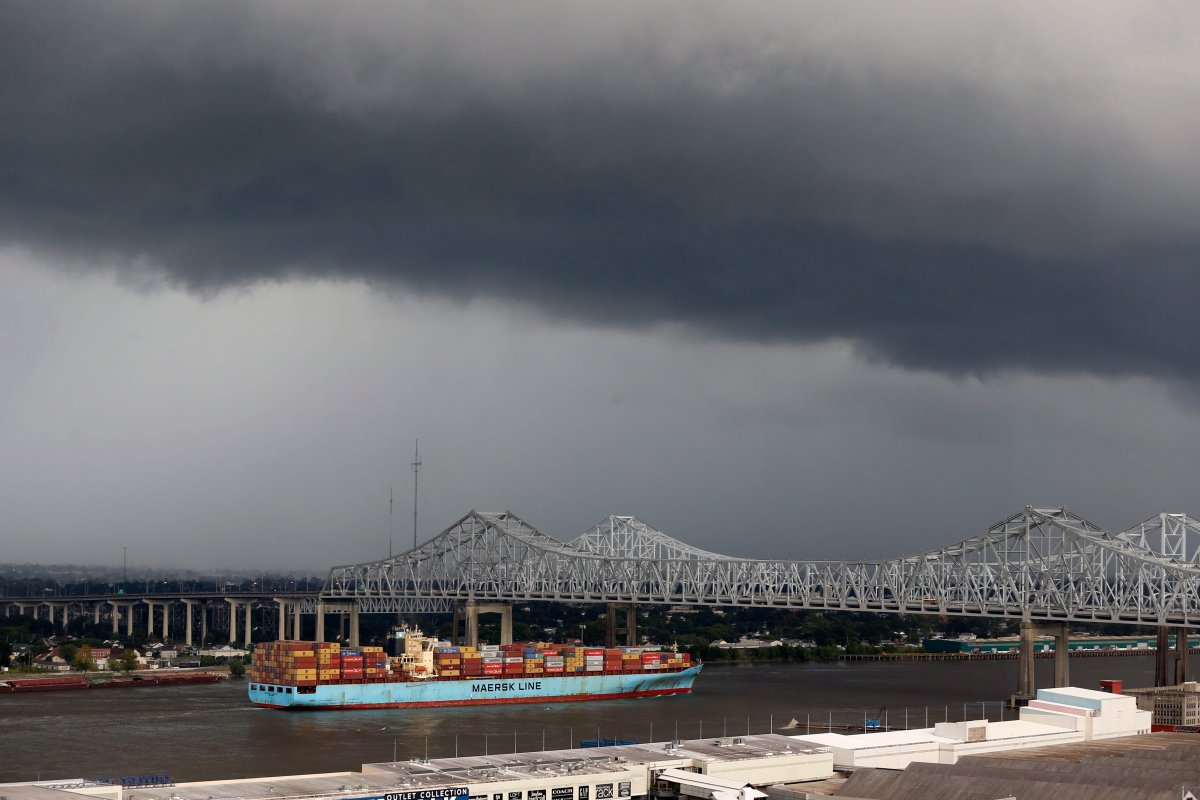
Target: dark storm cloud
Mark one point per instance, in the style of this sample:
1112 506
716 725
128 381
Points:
975 205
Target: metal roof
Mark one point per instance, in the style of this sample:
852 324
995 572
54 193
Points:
1148 767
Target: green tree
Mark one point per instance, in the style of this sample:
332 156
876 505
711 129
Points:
127 661
236 668
83 661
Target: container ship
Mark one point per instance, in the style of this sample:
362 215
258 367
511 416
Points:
325 675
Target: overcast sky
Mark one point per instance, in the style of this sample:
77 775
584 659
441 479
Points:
788 280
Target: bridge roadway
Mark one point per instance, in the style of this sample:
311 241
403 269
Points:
1044 566
152 613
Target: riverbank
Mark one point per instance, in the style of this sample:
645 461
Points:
1010 655
823 656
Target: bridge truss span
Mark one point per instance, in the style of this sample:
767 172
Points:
1038 564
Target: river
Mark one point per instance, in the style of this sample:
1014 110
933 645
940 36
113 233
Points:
209 732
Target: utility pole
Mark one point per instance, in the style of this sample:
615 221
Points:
124 566
391 527
416 466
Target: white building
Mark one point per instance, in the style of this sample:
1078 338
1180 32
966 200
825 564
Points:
1057 716
224 651
725 768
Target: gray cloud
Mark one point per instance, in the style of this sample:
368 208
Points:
949 190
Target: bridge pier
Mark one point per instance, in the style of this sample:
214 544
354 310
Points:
188 622
51 609
234 606
1171 664
165 607
1181 655
345 609
469 612
614 633
281 628
1026 672
1162 658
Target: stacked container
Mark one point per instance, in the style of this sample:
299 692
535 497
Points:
472 663
447 661
593 660
329 663
374 661
315 663
288 663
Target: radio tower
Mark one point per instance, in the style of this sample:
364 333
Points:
416 465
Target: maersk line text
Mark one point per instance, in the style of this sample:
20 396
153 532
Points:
507 686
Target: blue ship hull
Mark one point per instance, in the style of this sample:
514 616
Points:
474 691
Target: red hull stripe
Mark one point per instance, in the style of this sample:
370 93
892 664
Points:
431 704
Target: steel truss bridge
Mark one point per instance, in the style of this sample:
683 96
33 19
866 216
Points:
1040 564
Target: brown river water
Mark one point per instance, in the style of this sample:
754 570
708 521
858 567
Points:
210 732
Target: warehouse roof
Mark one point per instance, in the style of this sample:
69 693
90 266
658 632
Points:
1148 767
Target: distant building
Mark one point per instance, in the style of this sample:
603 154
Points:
746 644
1172 707
1009 644
224 651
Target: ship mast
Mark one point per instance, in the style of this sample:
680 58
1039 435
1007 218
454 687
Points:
416 467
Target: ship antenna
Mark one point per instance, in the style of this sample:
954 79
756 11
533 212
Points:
416 465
